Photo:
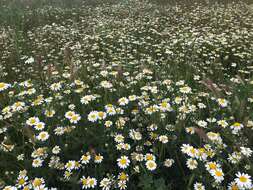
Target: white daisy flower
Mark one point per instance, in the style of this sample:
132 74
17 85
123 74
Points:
43 136
243 181
123 101
218 175
123 162
199 186
4 86
151 165
93 116
32 121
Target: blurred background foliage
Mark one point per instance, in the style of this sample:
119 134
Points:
14 12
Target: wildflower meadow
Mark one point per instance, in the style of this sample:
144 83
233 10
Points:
126 95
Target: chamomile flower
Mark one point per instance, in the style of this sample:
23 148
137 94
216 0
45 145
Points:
105 184
50 113
10 188
235 157
70 165
4 86
135 135
67 174
151 165
185 148
165 106
69 114
38 182
168 163
163 139
218 175
132 97
233 186
59 131
88 98
84 182
39 126
22 181
122 185
18 106
202 123
222 102
37 162
88 182
149 156
75 118
119 138
93 116
211 166
123 101
123 162
56 86
108 124
123 176
243 181
85 159
222 123
192 164
199 186
178 100
246 151
193 152
98 158
106 84
56 150
43 136
92 182
32 121
185 89
236 127
101 115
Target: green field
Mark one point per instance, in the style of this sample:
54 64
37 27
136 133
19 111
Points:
133 94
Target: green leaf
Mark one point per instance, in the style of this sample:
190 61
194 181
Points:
159 184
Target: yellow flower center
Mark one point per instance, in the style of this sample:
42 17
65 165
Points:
74 117
212 166
218 173
33 121
39 126
70 114
17 104
234 187
149 157
85 158
193 151
84 181
91 182
243 179
37 182
151 165
164 104
123 161
123 176
100 114
237 125
21 181
2 85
